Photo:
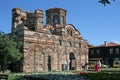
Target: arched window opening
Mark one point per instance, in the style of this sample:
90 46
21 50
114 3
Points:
68 31
49 63
60 42
62 21
70 44
71 32
55 18
79 45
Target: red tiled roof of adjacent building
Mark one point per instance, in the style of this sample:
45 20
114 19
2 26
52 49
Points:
107 44
112 44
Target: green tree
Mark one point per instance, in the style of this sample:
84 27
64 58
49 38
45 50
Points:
9 49
105 2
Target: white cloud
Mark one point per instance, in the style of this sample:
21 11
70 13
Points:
118 42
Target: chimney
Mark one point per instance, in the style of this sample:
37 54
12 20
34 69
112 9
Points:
105 43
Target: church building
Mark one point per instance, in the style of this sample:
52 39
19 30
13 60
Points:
50 47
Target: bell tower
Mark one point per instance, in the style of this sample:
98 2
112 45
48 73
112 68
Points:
56 16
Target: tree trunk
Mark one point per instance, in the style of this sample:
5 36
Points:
3 64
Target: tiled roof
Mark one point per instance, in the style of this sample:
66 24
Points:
107 44
112 44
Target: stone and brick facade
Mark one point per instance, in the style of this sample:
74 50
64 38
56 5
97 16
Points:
53 46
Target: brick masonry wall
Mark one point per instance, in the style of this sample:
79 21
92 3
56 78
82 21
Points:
37 50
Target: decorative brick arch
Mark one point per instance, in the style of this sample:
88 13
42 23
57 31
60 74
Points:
48 49
69 26
33 48
44 39
36 35
52 39
44 36
49 27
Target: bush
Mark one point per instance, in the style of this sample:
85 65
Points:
103 76
66 76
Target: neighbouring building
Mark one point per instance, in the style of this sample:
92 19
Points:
108 53
53 46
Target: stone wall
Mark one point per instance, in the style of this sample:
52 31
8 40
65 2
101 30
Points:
38 47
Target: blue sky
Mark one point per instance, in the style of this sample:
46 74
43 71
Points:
96 23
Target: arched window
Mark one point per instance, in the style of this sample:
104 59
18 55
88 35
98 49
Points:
79 45
55 18
71 32
62 21
70 44
60 42
68 31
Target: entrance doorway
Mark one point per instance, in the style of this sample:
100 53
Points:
49 63
72 64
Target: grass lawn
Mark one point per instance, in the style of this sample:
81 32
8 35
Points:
111 69
116 70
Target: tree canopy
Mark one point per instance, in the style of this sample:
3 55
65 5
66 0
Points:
105 2
9 49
